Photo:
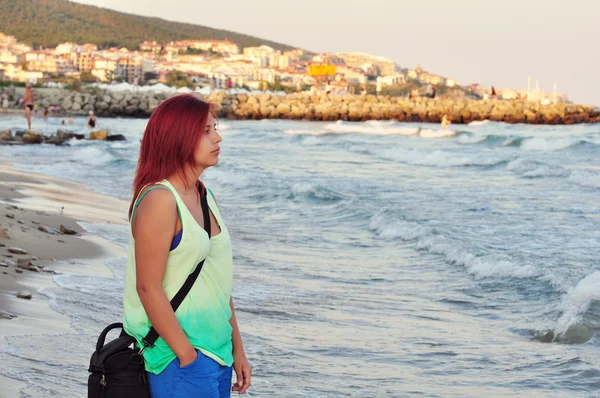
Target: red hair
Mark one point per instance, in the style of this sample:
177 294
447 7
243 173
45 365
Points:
170 139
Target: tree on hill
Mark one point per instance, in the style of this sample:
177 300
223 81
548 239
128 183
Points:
87 77
178 79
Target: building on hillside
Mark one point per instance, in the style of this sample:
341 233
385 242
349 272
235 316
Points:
67 48
55 66
263 56
296 56
429 78
176 47
131 69
10 57
152 47
6 40
361 60
392 80
352 75
216 46
85 61
16 73
264 74
451 82
104 69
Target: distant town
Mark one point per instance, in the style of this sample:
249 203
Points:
222 64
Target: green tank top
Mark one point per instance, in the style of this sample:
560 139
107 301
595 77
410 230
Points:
205 313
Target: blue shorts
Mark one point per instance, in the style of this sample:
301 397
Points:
203 378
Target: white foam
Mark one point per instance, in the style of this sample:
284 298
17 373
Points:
92 156
439 158
404 230
585 178
426 133
547 144
478 266
478 123
312 141
577 300
546 171
380 122
223 126
520 164
470 139
123 145
76 142
381 128
302 188
305 132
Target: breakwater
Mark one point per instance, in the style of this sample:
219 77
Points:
304 106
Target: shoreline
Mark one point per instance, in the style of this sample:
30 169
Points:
32 199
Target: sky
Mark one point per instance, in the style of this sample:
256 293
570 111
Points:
490 42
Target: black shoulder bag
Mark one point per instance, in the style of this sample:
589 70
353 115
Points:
117 368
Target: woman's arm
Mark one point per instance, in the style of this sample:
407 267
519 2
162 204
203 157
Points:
242 368
153 229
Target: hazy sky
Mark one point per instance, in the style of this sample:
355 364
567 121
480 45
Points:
492 42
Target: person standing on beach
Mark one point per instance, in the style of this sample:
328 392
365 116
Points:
200 343
28 100
4 101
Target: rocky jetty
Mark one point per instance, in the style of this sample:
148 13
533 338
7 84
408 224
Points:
35 137
304 106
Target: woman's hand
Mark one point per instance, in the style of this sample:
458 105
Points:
243 372
188 357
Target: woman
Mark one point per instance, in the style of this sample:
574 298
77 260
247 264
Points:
28 100
91 122
201 341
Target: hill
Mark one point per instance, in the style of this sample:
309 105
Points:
51 22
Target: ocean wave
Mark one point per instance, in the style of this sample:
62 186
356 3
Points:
405 230
93 156
236 180
76 142
548 144
311 141
123 144
478 266
478 123
574 326
427 239
440 158
379 128
313 191
427 133
532 169
471 139
305 132
585 178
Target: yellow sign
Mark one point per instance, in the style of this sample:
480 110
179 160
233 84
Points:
321 70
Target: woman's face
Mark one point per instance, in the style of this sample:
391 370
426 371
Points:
207 150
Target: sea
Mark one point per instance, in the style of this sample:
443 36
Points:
371 259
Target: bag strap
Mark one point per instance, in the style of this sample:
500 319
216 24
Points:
176 301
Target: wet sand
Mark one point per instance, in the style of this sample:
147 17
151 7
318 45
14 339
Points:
28 201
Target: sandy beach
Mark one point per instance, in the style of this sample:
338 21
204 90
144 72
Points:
28 204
